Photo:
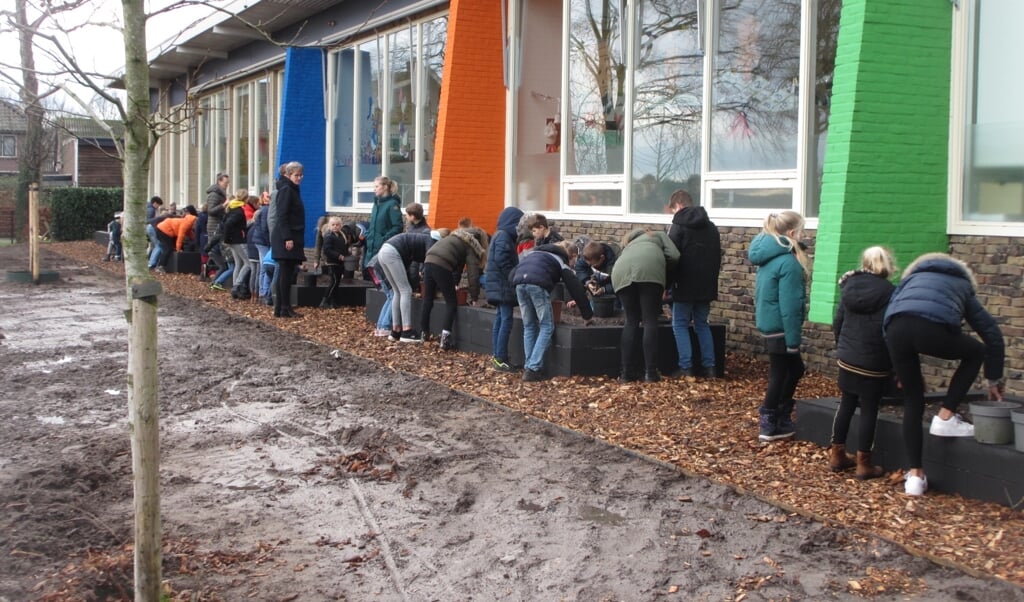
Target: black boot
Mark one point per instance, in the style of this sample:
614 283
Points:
628 375
652 376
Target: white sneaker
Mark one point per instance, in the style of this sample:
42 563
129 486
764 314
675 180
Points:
915 485
381 332
954 427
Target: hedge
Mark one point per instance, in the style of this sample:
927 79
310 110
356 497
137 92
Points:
76 213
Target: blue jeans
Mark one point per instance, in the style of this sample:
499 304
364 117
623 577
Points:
265 275
156 257
225 275
697 311
384 319
538 323
501 331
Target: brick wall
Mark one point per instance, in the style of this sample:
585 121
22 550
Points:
469 167
302 118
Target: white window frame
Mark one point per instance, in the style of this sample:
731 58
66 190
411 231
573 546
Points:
964 15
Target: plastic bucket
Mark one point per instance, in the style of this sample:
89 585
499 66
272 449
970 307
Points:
992 423
1017 418
604 307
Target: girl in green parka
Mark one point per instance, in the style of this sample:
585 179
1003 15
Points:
779 303
639 278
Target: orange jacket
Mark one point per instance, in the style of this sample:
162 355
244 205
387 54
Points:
178 228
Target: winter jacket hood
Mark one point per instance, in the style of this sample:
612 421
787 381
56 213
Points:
508 221
502 258
694 218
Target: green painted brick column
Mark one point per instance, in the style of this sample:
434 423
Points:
886 161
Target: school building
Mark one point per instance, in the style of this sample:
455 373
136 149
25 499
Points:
887 122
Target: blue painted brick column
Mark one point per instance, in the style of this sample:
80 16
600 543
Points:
302 133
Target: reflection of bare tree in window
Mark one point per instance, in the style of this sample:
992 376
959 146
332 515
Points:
756 75
597 83
667 106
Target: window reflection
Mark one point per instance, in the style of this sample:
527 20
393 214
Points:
597 82
994 170
667 108
755 86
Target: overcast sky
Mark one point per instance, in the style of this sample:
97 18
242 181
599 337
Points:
93 36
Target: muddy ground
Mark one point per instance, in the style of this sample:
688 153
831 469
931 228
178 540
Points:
289 474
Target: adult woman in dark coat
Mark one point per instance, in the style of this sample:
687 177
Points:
287 236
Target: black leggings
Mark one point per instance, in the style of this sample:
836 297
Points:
907 337
784 373
866 392
641 302
335 270
435 277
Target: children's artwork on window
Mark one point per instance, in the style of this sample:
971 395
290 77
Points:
552 135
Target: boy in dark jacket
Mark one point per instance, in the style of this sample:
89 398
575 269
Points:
534 278
501 260
594 267
694 282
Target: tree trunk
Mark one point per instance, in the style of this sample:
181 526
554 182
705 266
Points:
31 151
143 293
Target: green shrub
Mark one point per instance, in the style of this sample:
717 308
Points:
78 212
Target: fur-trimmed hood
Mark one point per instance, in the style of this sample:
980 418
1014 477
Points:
942 263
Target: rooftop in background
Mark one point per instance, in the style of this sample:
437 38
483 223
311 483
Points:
85 127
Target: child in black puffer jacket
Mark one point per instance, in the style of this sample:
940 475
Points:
864 365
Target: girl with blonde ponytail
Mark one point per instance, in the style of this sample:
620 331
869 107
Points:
780 299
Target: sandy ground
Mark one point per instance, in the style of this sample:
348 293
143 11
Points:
289 474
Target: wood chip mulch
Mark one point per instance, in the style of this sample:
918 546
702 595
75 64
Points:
703 427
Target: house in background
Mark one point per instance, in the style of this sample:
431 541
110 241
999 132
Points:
12 131
87 156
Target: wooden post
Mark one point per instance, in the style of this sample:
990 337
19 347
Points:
33 230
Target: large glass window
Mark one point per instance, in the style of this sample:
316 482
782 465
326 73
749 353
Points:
384 109
204 140
401 110
667 109
993 189
716 97
341 128
435 36
220 129
240 170
370 110
597 87
262 113
755 81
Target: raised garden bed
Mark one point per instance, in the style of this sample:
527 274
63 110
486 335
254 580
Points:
960 465
576 349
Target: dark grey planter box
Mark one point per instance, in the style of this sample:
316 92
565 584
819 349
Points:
575 350
993 473
184 262
348 294
101 237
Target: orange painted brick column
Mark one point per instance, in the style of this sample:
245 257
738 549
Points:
469 166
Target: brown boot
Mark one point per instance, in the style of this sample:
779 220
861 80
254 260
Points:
865 470
838 461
